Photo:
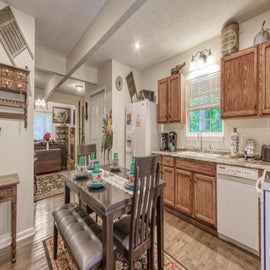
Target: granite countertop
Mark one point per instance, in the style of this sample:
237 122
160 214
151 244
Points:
224 158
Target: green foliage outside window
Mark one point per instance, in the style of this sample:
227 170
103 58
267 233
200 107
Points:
205 120
203 99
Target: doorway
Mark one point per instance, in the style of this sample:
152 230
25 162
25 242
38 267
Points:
97 114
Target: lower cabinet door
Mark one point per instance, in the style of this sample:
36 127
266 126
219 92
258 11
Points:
168 176
183 191
205 198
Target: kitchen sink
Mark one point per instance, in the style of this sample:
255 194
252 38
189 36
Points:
198 154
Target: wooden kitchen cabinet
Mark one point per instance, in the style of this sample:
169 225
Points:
183 191
264 78
167 174
205 198
239 91
245 82
195 192
171 99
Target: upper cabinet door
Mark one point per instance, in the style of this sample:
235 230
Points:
174 99
162 100
264 77
239 86
171 99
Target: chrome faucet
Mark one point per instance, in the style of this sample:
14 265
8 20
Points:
200 138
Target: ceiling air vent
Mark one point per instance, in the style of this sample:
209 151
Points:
10 35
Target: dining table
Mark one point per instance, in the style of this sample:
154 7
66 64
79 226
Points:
111 202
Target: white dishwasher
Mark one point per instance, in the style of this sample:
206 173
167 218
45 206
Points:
237 206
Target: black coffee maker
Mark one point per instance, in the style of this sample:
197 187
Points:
172 141
164 141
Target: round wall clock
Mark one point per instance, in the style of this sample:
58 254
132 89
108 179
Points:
119 83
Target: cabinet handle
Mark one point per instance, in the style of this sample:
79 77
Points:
2 195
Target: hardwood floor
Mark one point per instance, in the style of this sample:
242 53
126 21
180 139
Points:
191 246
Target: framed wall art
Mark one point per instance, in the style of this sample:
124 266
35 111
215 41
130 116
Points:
61 115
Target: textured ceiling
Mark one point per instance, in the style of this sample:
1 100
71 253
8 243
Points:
60 23
164 28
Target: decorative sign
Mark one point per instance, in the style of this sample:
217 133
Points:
230 39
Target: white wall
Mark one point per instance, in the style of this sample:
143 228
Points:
16 142
119 101
259 129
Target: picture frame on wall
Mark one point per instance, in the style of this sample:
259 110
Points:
61 115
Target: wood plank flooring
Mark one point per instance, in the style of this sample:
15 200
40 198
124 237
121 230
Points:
194 248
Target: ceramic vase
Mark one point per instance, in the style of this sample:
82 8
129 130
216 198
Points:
47 146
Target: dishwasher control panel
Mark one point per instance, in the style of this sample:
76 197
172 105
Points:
238 171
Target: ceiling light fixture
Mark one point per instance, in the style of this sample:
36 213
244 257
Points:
137 45
205 56
40 103
79 87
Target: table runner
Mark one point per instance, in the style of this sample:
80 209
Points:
115 180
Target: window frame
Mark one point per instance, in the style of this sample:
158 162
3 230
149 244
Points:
189 134
50 116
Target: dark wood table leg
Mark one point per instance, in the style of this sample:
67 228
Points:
160 231
13 223
108 256
67 193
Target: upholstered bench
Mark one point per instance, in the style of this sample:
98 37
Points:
81 235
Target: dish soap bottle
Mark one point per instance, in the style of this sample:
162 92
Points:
234 143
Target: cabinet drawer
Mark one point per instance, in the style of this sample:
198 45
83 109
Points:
5 194
167 161
203 167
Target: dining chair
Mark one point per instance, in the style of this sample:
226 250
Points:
83 152
134 233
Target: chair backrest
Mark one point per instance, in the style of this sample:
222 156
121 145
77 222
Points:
83 151
146 181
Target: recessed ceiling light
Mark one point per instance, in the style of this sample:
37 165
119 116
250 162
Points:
137 45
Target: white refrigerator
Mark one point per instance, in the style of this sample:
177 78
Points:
142 130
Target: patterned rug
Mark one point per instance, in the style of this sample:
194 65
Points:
48 185
64 261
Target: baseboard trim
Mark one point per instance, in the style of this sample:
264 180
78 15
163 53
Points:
6 237
5 240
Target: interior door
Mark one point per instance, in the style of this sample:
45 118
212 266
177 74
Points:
97 113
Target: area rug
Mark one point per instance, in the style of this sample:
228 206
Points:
48 185
64 261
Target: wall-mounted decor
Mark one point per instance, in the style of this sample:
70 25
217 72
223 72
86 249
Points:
132 87
13 92
119 83
11 36
61 115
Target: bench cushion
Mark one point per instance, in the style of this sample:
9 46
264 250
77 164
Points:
81 234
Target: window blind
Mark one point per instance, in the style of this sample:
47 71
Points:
203 91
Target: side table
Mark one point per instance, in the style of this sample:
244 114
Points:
8 192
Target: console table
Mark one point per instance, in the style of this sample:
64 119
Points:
47 161
8 192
